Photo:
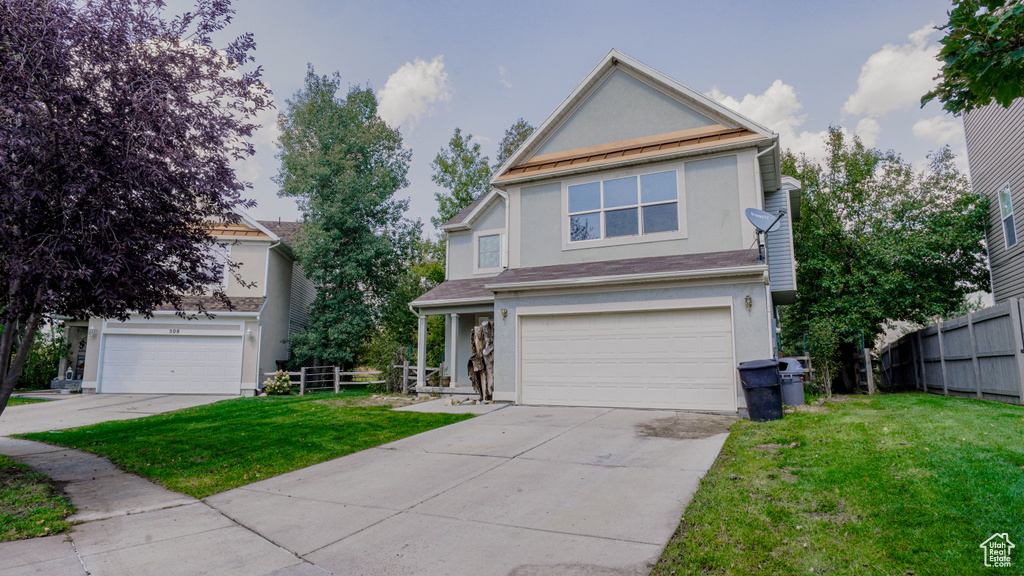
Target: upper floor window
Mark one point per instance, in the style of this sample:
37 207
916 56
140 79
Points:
629 206
1006 212
490 251
218 256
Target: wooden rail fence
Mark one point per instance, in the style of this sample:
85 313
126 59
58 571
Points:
327 377
980 355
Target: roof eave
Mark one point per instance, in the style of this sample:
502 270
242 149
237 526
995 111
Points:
450 302
629 162
731 272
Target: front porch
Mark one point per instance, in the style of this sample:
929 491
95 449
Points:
464 304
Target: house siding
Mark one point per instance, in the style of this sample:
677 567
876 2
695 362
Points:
780 247
276 315
995 151
460 244
621 108
251 258
300 299
715 191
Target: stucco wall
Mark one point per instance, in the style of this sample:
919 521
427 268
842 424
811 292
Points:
621 108
460 244
750 333
253 269
716 189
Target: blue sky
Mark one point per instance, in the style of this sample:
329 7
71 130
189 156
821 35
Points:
795 67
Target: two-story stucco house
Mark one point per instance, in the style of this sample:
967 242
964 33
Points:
613 253
226 354
995 150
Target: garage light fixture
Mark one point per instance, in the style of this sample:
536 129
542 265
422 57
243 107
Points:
248 334
747 300
504 313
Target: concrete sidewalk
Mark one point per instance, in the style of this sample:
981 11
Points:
518 491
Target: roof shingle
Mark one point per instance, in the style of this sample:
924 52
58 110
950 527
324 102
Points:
469 289
211 304
287 231
629 266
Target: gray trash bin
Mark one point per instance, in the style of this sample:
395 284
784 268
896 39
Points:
792 374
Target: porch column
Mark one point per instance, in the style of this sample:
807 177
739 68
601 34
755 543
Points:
421 353
454 364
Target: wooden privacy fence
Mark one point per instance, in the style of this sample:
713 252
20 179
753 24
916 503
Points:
327 377
979 355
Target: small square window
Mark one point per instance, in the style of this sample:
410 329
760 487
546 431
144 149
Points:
489 252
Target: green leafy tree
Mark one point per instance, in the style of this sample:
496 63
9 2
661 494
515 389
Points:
879 241
343 165
462 170
982 55
514 138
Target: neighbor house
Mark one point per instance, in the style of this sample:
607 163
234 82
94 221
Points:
226 354
995 151
613 253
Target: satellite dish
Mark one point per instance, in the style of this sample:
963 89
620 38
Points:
764 221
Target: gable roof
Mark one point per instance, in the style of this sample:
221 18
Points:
469 215
733 128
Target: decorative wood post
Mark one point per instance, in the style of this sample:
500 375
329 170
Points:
302 381
337 379
421 353
405 376
454 364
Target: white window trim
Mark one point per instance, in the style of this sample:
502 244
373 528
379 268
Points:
641 238
1002 219
503 251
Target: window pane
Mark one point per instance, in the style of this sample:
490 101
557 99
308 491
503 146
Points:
658 187
1005 202
489 251
620 192
661 218
621 222
585 197
585 227
1010 231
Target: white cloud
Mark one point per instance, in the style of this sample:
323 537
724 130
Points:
940 130
779 109
409 93
264 139
504 80
895 77
868 129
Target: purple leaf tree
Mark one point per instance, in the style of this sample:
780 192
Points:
118 128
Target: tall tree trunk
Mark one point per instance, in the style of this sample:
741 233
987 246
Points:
10 373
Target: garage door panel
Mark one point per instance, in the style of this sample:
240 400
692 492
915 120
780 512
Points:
679 359
171 364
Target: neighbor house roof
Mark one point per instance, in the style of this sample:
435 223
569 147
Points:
679 266
457 291
461 216
211 304
288 232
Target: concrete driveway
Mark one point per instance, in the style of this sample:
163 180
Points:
73 410
519 491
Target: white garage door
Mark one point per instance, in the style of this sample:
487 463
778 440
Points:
678 359
147 364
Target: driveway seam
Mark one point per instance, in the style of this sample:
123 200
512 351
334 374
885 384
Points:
545 530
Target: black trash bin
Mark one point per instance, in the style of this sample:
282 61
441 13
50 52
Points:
762 387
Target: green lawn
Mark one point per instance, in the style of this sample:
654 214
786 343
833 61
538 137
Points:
29 504
894 485
15 401
208 449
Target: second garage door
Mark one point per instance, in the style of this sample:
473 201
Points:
674 359
148 364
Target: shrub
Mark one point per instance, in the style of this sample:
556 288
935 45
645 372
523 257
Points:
279 385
